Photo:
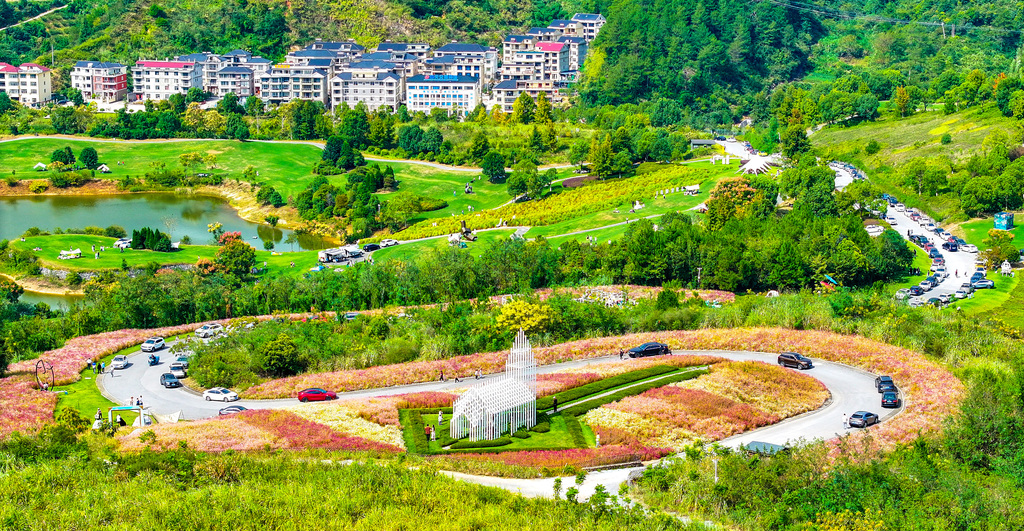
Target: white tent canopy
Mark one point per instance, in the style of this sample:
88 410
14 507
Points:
757 165
40 166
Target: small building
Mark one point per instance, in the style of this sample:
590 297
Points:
589 24
503 406
157 80
28 84
1004 221
457 95
701 143
39 166
692 189
100 80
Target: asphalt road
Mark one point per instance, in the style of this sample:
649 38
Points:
959 265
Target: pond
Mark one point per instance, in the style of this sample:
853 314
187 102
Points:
177 215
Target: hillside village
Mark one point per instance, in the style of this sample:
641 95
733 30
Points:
455 77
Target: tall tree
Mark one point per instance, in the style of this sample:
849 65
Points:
493 167
523 109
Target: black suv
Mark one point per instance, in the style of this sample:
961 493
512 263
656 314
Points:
883 380
891 399
169 380
792 359
649 349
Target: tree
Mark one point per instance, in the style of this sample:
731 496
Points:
177 102
193 117
5 103
523 109
195 95
190 160
332 150
279 357
254 106
432 141
237 128
578 152
9 291
536 142
480 147
89 158
902 100
75 95
493 167
601 158
543 113
229 104
794 141
236 258
64 121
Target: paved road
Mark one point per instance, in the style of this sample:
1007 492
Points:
959 265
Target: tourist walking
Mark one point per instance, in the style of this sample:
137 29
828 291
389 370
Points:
99 414
440 418
846 421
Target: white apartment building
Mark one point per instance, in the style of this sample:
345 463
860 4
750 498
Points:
506 92
570 28
590 24
456 94
211 64
100 81
238 79
516 43
370 82
287 82
474 59
544 34
405 64
523 66
157 80
419 49
28 84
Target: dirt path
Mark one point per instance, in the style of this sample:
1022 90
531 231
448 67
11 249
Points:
39 16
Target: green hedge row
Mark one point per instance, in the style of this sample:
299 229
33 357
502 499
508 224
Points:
503 450
415 439
598 402
572 424
541 427
602 385
501 441
521 434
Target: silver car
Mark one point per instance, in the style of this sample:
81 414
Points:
209 330
178 370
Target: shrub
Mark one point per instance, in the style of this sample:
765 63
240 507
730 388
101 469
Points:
572 425
542 427
873 147
523 433
946 139
38 187
12 181
501 441
115 231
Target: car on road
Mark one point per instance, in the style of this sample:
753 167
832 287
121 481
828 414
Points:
209 330
863 419
178 370
879 380
916 291
969 248
220 393
169 380
900 207
119 362
370 247
649 349
902 294
388 242
231 410
887 386
792 359
951 247
152 344
891 399
934 253
183 360
315 394
983 284
961 293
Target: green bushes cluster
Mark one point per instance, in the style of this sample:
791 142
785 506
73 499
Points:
575 429
495 443
147 238
68 179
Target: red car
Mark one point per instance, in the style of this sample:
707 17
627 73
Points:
316 394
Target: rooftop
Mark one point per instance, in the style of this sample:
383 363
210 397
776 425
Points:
519 38
400 46
367 65
235 70
165 64
550 46
97 64
238 53
462 47
443 79
587 17
570 38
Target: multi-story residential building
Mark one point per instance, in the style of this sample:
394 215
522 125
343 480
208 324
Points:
373 83
287 82
506 92
28 84
569 28
304 56
516 43
100 81
343 50
420 49
456 94
556 59
545 34
524 66
577 50
211 64
157 80
590 24
405 64
483 60
238 79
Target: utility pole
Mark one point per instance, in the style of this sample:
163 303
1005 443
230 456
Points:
699 269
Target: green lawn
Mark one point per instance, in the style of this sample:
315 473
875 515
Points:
112 258
993 301
409 251
558 437
976 232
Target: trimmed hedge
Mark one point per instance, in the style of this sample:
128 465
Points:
572 424
415 439
602 385
521 434
503 450
542 427
614 397
501 441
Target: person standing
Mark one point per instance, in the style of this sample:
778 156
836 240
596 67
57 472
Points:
555 403
846 422
131 401
99 414
440 418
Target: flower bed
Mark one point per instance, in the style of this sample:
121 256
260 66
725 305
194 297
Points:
774 390
260 429
339 417
23 407
384 409
556 459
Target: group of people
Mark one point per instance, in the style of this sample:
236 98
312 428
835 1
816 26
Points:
476 375
98 420
97 368
135 401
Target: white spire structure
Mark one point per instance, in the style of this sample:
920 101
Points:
487 411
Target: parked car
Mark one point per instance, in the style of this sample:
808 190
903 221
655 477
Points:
220 393
915 303
183 360
934 253
978 275
209 330
925 285
231 410
969 248
879 380
649 349
351 316
902 294
935 301
891 399
792 359
178 370
863 419
119 362
945 298
916 291
887 386
315 394
900 207
961 293
951 247
152 344
983 284
388 242
966 286
169 380
370 247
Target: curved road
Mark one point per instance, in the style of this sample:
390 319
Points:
851 390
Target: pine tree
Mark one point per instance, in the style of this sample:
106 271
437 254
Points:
523 109
543 114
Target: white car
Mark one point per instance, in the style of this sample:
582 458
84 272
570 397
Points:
119 362
902 294
220 393
209 330
968 248
178 370
152 344
388 242
900 207
961 293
